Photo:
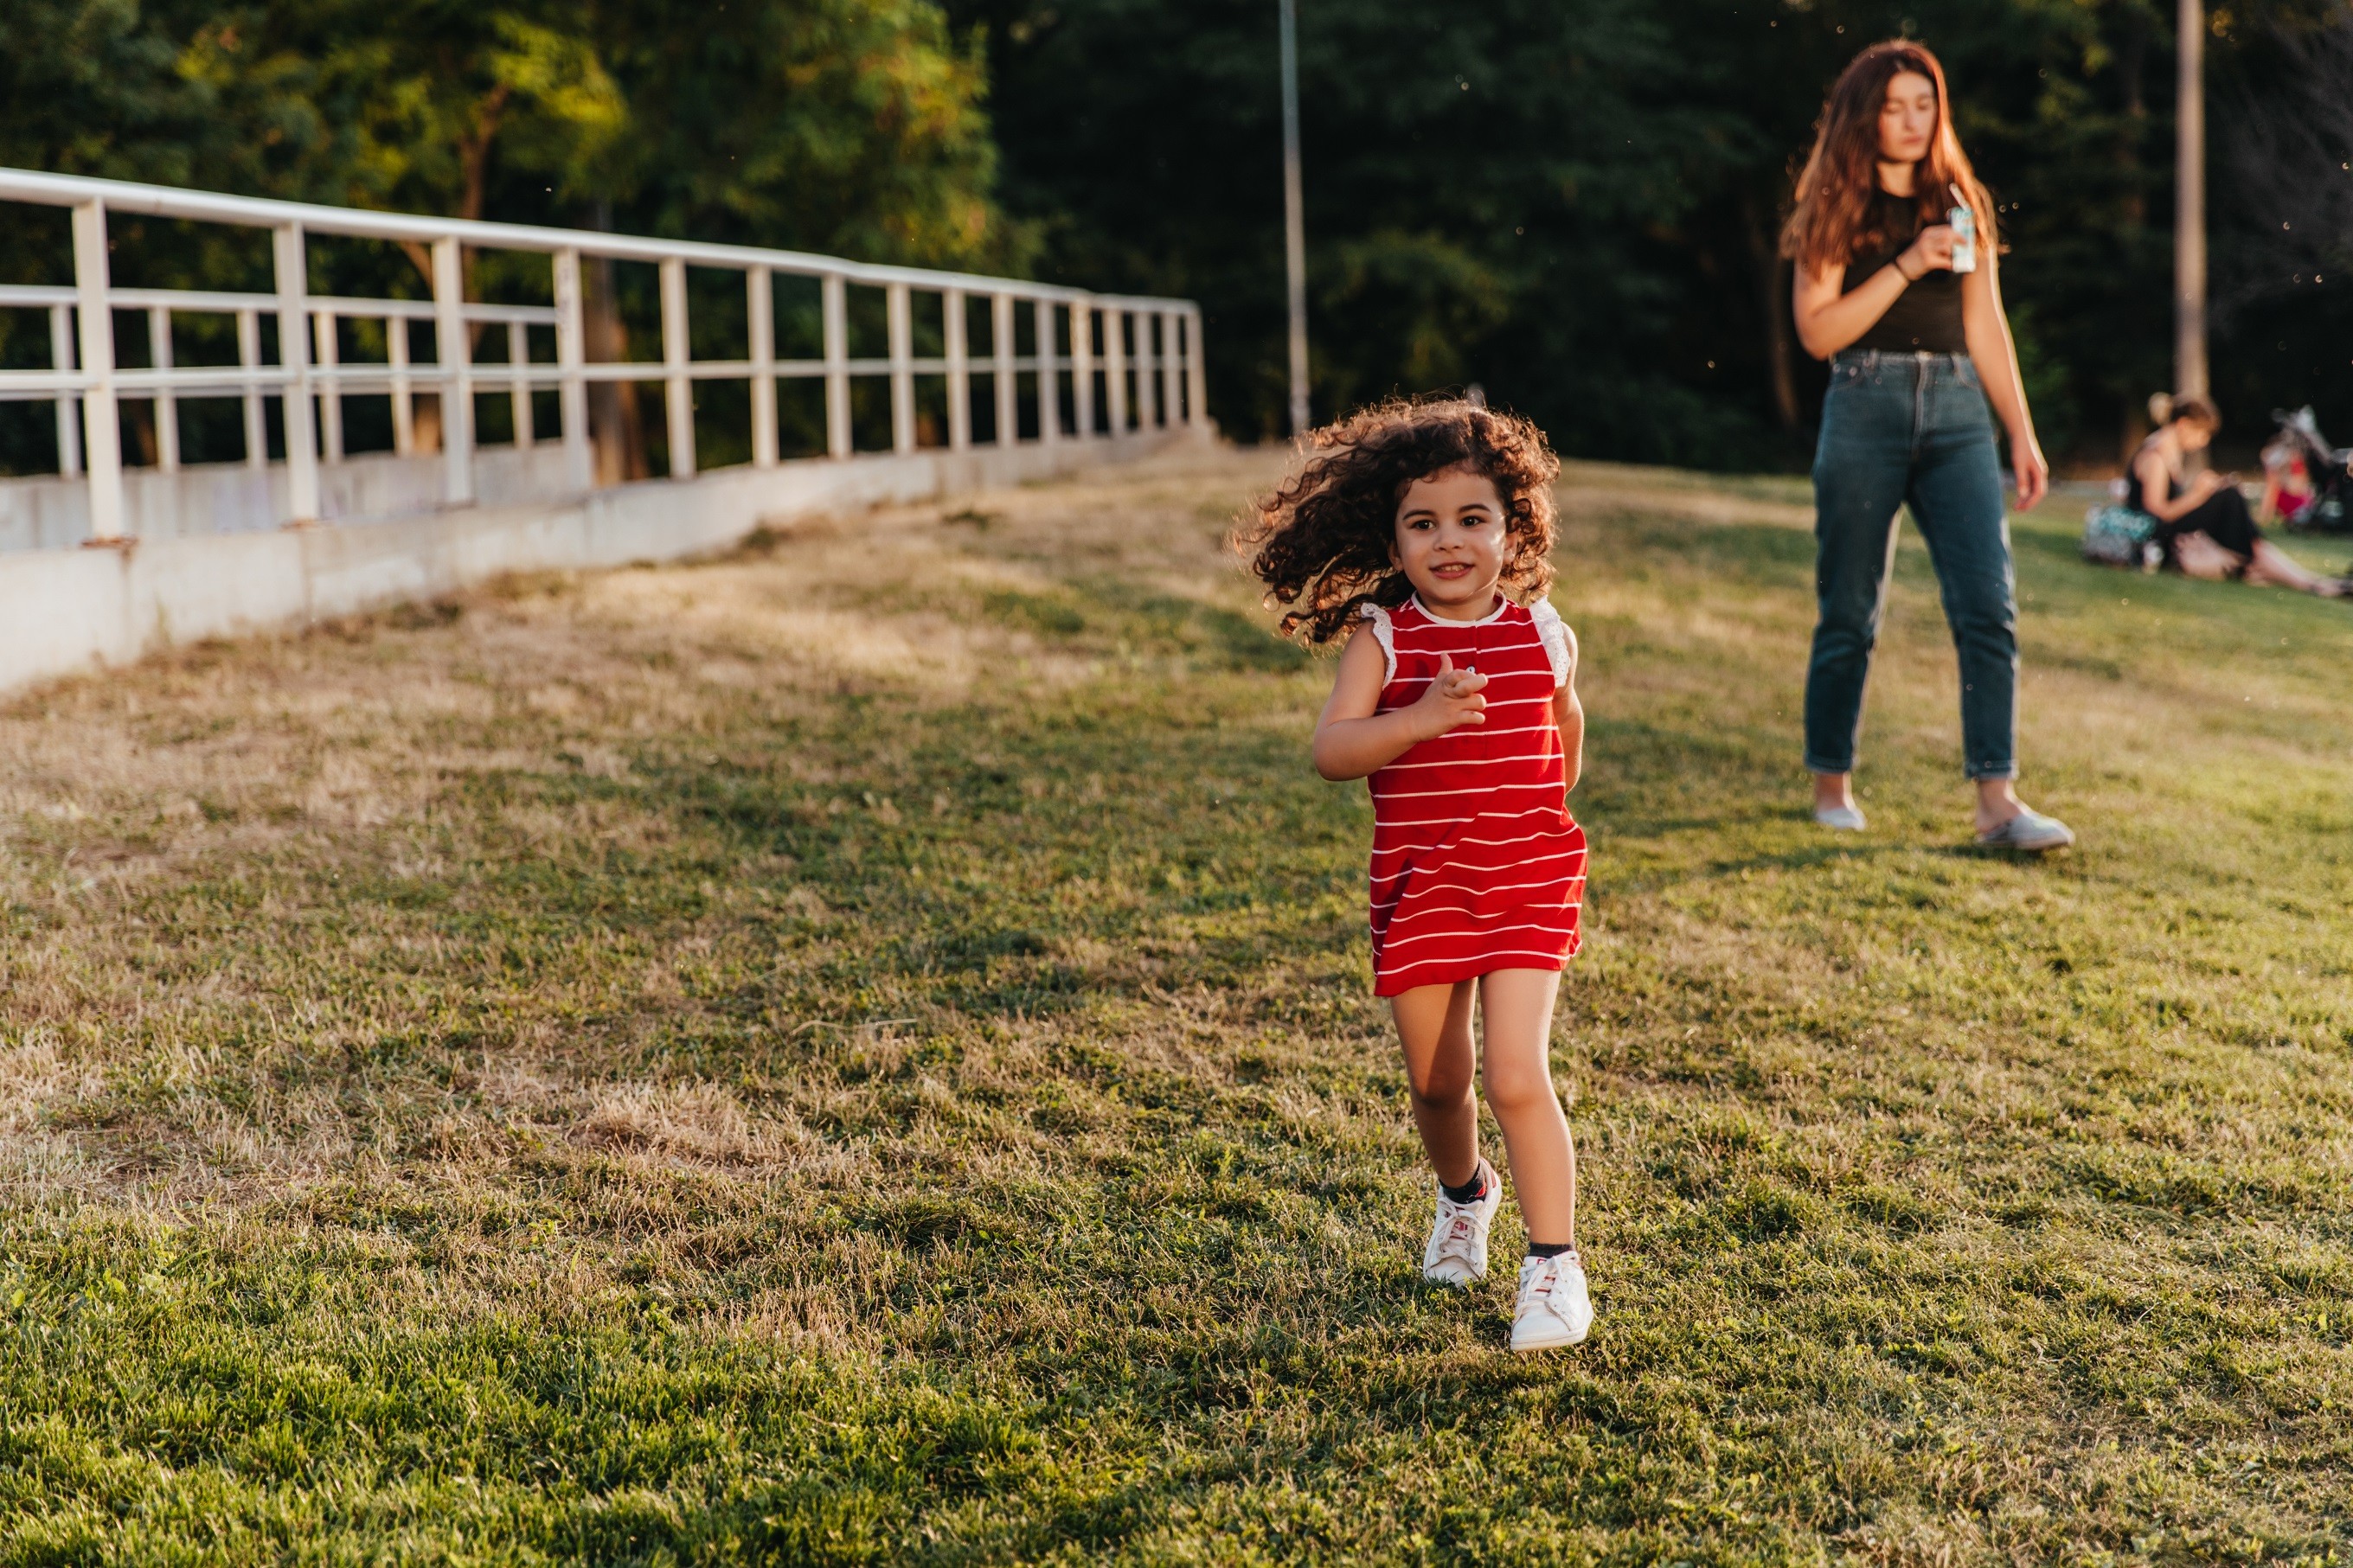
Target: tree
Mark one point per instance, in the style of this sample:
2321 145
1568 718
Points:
404 101
852 127
2285 154
1573 201
1488 190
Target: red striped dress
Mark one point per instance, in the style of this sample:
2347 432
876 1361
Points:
1477 865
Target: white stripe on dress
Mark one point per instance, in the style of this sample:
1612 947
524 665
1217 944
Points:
1388 941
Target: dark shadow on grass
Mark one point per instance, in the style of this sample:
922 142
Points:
1974 851
1806 859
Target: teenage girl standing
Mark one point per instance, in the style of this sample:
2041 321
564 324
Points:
1916 351
1419 531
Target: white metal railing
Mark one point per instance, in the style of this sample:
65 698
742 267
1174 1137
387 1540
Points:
1147 346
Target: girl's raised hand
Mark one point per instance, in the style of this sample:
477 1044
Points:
1931 250
1451 699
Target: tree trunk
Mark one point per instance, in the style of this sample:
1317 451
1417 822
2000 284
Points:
2132 54
615 429
2130 57
141 417
1773 290
2189 204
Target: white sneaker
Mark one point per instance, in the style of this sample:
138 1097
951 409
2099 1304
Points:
1840 818
1456 1252
1553 1308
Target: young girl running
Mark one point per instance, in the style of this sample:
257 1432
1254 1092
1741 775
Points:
1416 529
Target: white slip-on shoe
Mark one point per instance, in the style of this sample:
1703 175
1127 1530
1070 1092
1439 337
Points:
2029 832
1456 1252
1840 818
1555 1310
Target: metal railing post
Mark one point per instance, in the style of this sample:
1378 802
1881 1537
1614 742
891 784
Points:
572 386
955 343
403 401
1196 375
1147 367
678 387
62 358
1082 366
1000 342
248 355
327 354
760 315
519 356
1046 323
452 349
901 308
101 429
1115 367
1172 370
167 407
836 303
293 271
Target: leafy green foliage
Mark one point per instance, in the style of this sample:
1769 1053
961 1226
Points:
403 105
845 127
1574 204
849 127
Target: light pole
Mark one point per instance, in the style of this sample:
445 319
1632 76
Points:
1294 223
2189 202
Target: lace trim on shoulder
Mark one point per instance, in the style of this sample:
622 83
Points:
1555 633
1385 633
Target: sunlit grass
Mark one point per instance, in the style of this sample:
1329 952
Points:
861 1051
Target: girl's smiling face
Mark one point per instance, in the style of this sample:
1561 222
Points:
1451 543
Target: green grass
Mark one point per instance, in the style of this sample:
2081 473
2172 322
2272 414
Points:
862 1052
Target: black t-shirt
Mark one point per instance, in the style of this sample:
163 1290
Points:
1926 317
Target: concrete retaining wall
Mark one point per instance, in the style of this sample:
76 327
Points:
62 611
206 498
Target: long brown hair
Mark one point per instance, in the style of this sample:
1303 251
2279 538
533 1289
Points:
1832 218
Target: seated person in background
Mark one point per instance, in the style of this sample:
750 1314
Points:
2287 485
2203 521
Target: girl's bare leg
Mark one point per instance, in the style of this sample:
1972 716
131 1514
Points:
1515 1010
2273 564
1434 1026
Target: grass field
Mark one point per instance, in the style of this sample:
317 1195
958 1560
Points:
861 1052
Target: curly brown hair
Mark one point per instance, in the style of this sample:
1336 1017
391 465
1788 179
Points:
1322 540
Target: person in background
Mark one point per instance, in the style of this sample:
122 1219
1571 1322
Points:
1918 347
2204 523
2288 492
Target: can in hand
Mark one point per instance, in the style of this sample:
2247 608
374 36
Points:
1964 219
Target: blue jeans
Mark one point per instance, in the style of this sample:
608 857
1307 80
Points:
1911 429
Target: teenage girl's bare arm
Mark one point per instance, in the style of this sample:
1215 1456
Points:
1994 352
1570 714
1830 319
2150 468
1352 739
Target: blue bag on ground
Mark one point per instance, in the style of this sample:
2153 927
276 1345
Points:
2118 536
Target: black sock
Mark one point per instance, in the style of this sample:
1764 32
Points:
1535 1250
1470 1191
